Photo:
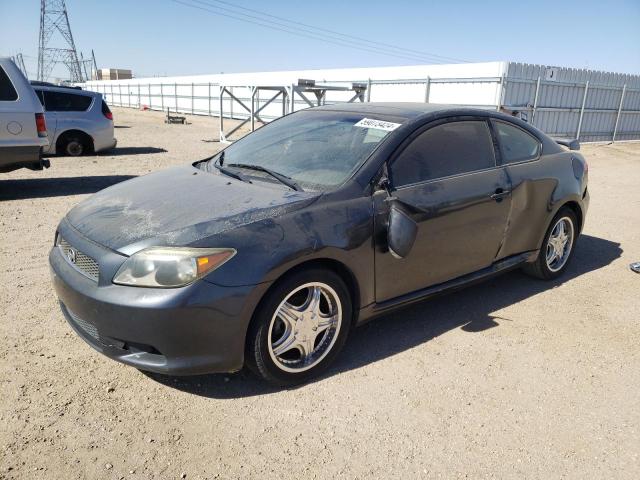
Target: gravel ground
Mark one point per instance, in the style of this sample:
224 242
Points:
512 378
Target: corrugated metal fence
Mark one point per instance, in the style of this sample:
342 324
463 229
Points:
584 104
592 105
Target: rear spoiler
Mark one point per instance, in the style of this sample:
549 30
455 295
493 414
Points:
571 144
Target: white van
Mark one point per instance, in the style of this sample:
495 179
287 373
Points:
23 131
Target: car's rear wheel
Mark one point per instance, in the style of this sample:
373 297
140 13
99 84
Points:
300 327
74 144
74 147
557 247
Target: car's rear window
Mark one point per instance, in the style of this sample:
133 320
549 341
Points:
66 102
7 90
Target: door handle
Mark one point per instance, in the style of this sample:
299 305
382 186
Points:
499 194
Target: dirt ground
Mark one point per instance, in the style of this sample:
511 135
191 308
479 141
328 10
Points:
513 378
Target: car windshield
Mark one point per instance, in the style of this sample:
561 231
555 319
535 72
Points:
318 150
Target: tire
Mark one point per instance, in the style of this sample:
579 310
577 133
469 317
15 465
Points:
550 263
299 327
75 146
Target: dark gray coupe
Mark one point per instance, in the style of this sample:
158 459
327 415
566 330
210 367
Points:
268 253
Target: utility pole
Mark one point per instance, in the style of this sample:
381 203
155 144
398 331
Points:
54 20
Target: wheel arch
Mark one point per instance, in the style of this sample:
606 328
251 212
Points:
62 138
577 209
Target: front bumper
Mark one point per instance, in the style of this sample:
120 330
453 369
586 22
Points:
196 329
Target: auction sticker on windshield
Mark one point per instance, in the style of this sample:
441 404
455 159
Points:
377 124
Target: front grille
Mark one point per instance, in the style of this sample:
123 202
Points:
80 261
85 326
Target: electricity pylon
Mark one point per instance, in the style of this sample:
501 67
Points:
54 18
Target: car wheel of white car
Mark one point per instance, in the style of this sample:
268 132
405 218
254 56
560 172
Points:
74 147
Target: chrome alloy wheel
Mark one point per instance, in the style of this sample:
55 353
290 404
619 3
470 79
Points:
304 327
559 244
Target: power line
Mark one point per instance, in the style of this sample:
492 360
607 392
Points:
311 35
306 34
353 37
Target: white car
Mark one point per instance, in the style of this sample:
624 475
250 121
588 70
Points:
79 121
23 130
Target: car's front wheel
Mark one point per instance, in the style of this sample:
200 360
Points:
557 247
300 327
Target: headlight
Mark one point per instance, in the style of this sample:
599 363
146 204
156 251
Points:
170 266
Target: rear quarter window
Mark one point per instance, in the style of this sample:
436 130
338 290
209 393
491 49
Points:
516 145
66 102
8 92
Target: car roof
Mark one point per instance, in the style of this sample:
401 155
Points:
408 110
415 112
72 91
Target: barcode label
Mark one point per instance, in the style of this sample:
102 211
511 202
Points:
377 124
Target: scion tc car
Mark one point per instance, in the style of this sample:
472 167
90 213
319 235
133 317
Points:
268 253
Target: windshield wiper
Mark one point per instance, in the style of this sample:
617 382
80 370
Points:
218 164
278 176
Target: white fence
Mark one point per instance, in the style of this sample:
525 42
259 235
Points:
598 107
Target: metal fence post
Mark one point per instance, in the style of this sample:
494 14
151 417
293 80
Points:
175 95
427 90
615 128
501 94
535 101
192 109
253 108
584 101
231 104
161 96
150 100
284 101
368 90
139 101
209 100
221 113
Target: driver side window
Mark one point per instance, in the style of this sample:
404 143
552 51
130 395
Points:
448 149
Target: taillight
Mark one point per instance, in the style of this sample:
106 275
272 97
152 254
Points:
41 125
105 111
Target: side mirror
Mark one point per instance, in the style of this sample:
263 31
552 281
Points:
402 231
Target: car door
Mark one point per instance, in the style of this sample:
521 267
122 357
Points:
447 177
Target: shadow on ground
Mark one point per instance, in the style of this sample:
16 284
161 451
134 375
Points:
470 309
119 151
56 187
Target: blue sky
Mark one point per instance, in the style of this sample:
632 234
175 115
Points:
162 37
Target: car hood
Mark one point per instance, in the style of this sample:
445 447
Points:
179 206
